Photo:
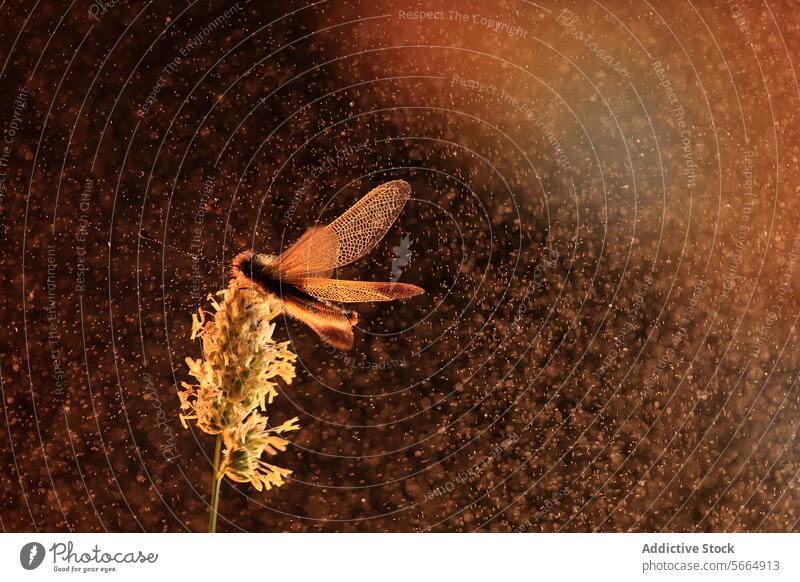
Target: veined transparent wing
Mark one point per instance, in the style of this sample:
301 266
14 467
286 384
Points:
349 237
313 255
342 291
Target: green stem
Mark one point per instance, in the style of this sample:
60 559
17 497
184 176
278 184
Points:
216 482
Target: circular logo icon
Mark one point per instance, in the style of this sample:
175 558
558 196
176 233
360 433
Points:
31 555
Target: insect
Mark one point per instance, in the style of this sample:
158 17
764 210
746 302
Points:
300 278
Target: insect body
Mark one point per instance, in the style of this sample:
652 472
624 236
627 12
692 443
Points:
300 278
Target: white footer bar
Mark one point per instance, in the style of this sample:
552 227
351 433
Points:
390 557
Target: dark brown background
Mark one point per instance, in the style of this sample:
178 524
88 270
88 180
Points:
584 439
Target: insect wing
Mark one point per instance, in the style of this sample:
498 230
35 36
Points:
329 323
347 238
363 226
313 255
342 291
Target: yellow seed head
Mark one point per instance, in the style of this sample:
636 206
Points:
236 379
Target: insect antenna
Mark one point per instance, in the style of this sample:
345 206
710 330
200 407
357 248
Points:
233 235
196 257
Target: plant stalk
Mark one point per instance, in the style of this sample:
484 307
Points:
216 481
